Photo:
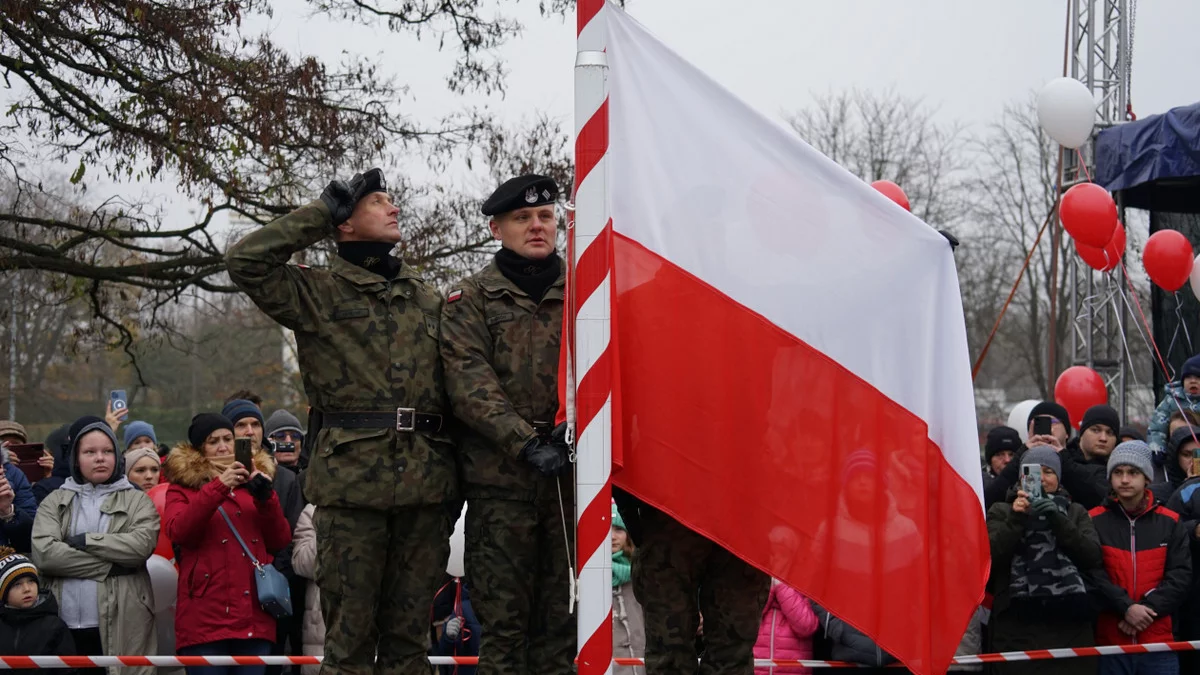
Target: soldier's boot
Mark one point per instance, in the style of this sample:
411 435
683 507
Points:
352 553
552 649
500 555
732 596
417 551
667 570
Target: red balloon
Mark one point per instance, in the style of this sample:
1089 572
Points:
1168 259
1089 214
1107 258
892 192
1077 389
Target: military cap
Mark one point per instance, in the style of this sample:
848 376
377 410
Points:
364 184
520 192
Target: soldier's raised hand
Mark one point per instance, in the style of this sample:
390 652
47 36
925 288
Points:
339 197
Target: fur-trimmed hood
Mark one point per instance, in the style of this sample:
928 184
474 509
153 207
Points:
188 467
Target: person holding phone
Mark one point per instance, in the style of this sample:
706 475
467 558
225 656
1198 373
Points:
1048 424
17 503
1042 551
217 610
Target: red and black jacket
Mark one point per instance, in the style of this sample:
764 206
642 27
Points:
1147 561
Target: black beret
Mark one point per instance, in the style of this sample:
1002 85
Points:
364 184
520 192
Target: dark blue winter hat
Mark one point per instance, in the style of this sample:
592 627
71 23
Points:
1190 367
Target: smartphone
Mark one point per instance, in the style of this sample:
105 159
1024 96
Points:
26 456
1042 426
118 399
1196 466
1031 480
243 454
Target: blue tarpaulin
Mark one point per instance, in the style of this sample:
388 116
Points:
1154 162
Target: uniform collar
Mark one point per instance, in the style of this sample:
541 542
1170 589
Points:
361 277
494 280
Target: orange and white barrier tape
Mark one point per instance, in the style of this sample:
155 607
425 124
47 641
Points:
36 662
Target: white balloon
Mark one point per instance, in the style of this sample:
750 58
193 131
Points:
1195 278
1019 418
164 582
1067 111
454 566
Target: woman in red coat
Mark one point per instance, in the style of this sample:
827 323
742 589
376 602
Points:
218 611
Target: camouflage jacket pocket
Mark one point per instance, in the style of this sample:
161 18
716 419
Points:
335 440
351 468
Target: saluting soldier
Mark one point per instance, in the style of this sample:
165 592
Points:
501 331
382 472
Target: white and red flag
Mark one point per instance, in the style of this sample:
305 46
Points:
788 360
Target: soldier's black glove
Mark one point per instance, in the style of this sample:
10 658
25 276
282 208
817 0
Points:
260 487
549 458
339 197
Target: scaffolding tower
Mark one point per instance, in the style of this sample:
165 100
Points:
1100 50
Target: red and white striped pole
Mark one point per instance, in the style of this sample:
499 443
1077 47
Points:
591 293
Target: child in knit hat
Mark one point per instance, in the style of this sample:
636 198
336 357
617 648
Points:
1148 565
1184 395
29 622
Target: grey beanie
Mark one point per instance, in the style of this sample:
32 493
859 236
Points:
282 420
1131 453
1044 455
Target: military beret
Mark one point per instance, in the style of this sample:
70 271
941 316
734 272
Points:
520 192
364 184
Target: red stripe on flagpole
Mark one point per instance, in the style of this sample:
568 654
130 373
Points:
585 11
592 143
595 525
593 266
596 654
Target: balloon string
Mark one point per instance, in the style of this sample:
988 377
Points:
1016 284
1083 164
1149 332
1182 324
1114 294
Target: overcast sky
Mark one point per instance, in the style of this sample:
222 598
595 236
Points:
968 57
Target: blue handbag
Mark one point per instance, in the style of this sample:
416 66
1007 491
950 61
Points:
274 594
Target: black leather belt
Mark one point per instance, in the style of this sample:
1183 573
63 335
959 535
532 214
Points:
400 419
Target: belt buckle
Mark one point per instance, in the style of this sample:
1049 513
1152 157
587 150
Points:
406 419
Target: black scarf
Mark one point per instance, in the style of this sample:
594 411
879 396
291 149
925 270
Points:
535 277
372 256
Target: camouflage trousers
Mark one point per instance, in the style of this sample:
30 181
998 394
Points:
678 576
378 571
517 563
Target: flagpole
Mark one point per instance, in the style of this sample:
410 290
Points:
591 302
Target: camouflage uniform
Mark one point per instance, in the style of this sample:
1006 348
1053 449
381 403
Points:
500 350
678 576
386 499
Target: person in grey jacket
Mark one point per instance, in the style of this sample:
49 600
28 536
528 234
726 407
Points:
91 540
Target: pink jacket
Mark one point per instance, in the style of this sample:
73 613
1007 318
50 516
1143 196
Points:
786 632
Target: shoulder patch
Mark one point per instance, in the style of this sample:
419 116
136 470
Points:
455 295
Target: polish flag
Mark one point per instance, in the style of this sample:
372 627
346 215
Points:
789 360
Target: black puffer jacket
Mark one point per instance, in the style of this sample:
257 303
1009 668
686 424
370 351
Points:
1085 479
36 631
